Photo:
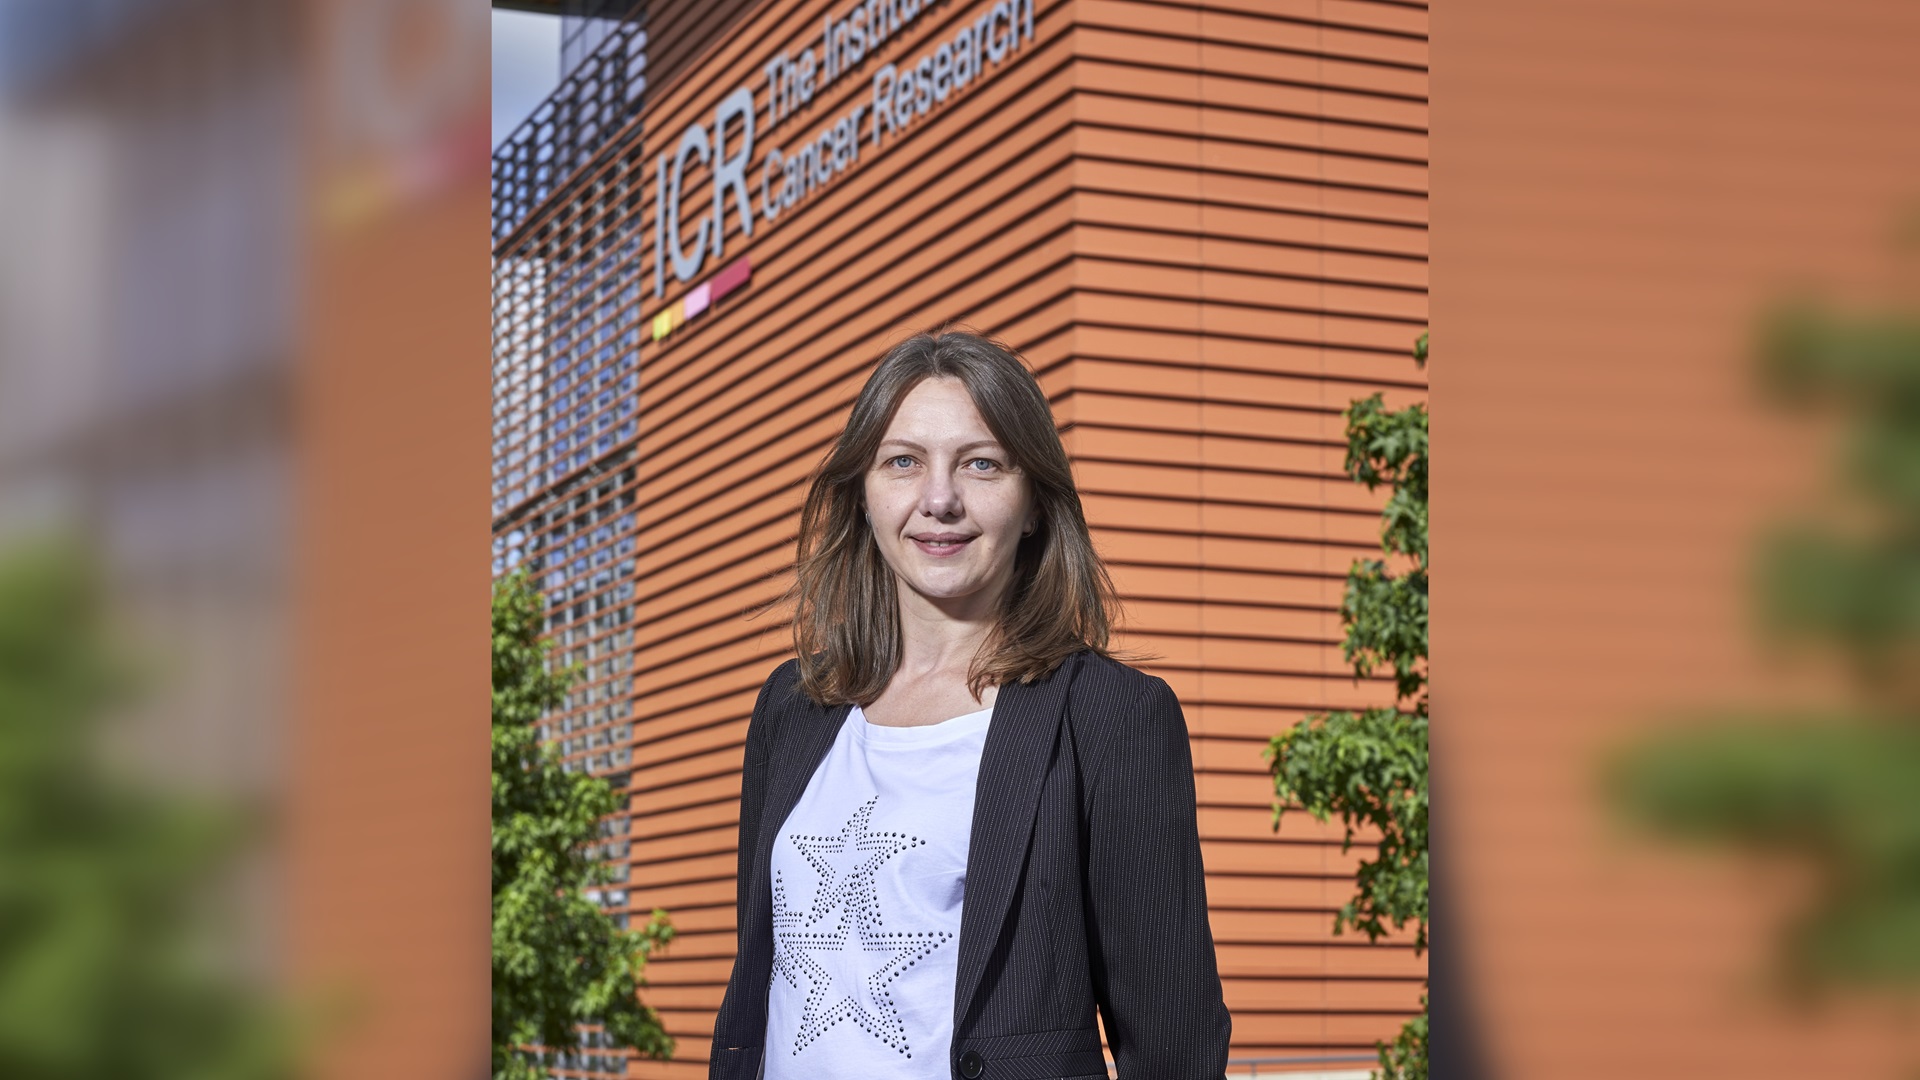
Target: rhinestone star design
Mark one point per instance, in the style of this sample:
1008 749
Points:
845 910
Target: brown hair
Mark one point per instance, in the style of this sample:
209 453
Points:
846 625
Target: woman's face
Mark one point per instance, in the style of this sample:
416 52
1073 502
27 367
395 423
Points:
946 506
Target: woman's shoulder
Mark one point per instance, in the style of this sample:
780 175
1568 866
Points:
1103 669
1114 686
1113 704
782 681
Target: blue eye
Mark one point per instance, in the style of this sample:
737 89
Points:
988 462
898 458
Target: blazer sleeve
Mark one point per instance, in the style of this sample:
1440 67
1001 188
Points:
753 777
1154 970
753 785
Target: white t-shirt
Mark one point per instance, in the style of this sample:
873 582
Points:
869 872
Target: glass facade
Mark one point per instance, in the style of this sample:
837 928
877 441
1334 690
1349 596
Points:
586 26
594 1057
566 366
587 117
566 397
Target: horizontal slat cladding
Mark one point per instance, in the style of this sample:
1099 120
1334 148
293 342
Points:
1251 256
1205 226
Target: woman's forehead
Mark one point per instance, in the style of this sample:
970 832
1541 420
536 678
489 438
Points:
941 410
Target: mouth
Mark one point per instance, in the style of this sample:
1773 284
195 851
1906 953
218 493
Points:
941 545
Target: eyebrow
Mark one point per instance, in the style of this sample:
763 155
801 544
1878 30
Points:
963 448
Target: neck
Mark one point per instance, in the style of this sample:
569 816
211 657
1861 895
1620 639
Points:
933 639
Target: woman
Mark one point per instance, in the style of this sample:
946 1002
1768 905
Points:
956 729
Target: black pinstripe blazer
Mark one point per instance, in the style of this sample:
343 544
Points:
1084 887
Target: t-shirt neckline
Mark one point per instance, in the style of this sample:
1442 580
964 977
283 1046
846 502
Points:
948 730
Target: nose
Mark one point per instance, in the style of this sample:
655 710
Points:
940 496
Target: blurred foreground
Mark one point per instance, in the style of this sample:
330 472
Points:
242 328
1625 198
1833 787
113 889
242 323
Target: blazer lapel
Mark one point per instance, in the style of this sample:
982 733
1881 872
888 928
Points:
805 735
1013 765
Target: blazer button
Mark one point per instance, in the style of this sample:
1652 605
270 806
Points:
971 1066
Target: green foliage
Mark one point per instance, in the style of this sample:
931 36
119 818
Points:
558 960
1846 577
1386 614
1832 788
1836 791
1406 1057
1386 620
1369 768
110 951
1389 447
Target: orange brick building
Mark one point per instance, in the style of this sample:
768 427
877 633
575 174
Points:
1205 226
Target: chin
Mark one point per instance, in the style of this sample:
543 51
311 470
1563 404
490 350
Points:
946 590
937 591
